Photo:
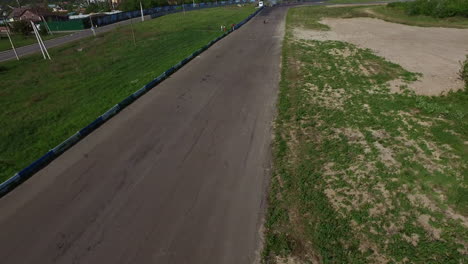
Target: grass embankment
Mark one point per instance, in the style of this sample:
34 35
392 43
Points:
434 8
355 1
396 13
44 102
362 175
399 15
20 40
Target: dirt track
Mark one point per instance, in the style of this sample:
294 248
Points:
434 52
177 177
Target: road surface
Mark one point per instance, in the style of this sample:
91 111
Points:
180 176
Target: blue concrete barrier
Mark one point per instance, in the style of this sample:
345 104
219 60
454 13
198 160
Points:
140 92
10 184
27 172
127 101
178 65
40 163
170 71
62 147
111 112
156 81
91 127
37 165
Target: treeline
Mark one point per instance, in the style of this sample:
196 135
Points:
99 7
434 8
129 5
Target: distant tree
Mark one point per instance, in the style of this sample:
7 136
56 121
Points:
98 7
92 8
22 27
43 30
130 5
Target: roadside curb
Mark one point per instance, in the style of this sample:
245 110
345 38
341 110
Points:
54 153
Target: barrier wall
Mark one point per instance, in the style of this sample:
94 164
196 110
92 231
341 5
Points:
156 12
75 24
40 163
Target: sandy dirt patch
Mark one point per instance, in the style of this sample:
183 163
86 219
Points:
434 52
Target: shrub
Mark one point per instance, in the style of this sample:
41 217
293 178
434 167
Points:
22 27
434 8
401 5
464 72
98 7
43 29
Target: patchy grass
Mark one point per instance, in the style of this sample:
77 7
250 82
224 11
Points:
363 175
44 102
20 40
309 17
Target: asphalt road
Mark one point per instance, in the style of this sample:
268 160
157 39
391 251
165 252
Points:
34 48
180 176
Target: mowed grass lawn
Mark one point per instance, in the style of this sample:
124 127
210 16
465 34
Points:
45 102
363 175
21 40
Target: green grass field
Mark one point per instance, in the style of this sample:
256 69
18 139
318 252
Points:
390 14
45 102
20 40
363 175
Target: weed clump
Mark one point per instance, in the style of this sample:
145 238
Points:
464 72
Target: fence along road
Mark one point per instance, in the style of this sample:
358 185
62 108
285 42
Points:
177 177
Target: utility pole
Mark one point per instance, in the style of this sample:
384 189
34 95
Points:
141 9
38 41
47 26
41 42
133 31
12 46
92 26
193 3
